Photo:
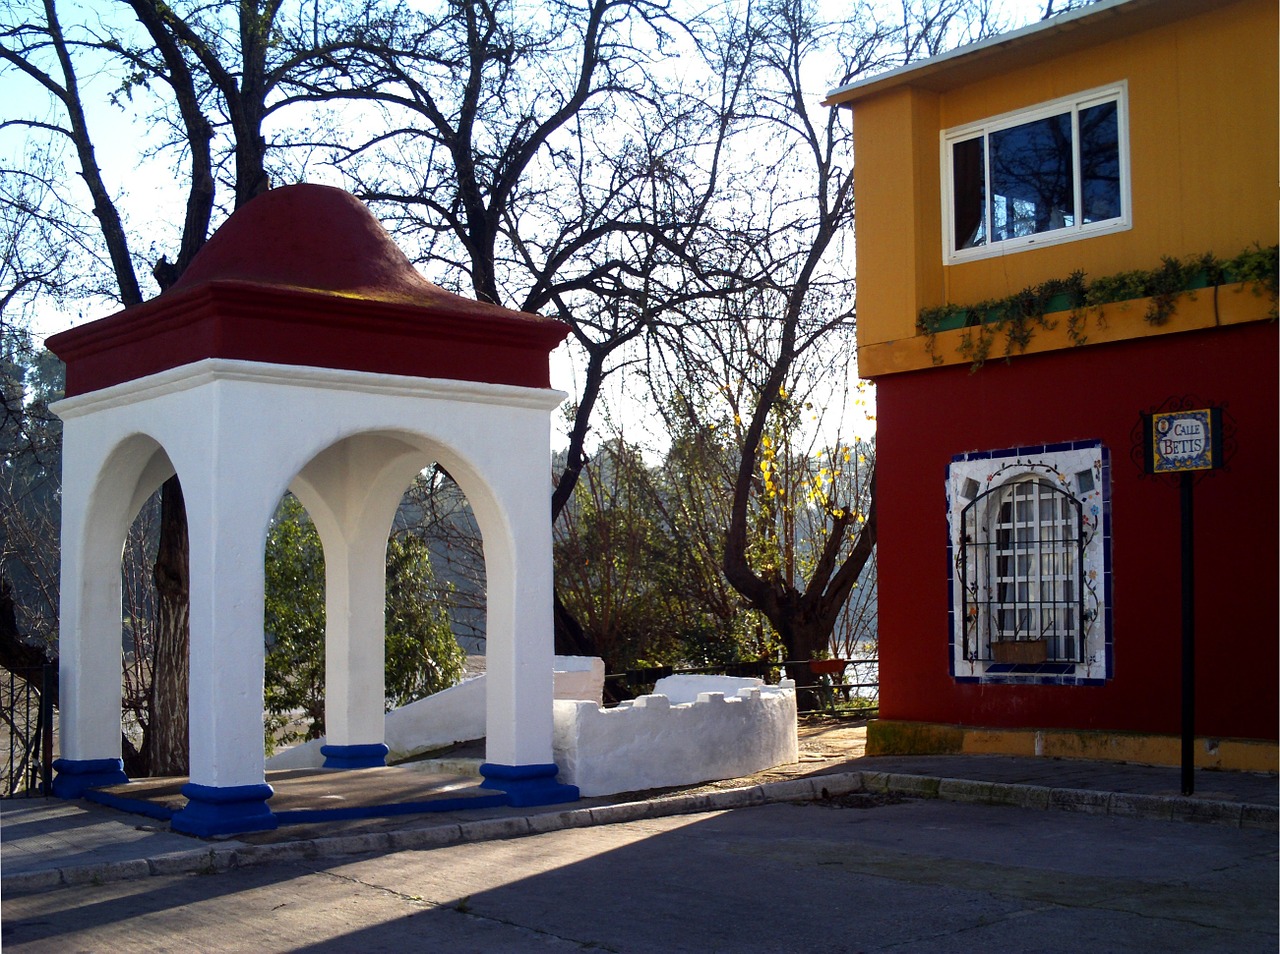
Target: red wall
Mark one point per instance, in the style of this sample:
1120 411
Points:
927 417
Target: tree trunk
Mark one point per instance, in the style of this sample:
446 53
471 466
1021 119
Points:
168 722
570 638
16 653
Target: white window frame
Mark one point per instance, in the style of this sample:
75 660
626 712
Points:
1082 469
1119 93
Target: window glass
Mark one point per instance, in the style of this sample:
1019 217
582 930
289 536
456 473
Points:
1047 174
1100 162
1032 184
1034 601
969 171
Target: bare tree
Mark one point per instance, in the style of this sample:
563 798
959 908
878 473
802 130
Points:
667 185
213 74
549 153
29 457
784 323
1053 8
537 149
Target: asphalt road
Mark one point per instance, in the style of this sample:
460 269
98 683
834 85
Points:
912 876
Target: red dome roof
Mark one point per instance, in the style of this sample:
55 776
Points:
318 238
305 275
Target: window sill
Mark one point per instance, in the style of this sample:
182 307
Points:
1031 242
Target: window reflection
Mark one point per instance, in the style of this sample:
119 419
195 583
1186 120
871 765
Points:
1032 186
969 170
1100 162
1014 180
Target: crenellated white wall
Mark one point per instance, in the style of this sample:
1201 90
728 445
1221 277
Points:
691 729
725 727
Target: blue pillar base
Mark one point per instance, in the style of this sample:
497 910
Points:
373 755
76 776
528 785
224 810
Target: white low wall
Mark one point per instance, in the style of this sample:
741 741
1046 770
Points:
692 729
456 714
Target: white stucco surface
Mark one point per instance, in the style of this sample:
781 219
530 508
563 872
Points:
687 688
456 714
653 742
238 434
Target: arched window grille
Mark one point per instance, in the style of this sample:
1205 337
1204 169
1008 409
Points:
1021 572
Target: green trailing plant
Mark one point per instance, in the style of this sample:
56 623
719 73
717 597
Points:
1161 285
1259 267
1018 315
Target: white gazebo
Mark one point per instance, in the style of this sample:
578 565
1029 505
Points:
301 351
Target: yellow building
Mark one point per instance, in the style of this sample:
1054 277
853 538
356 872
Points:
1059 230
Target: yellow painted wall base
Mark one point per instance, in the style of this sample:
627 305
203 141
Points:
887 737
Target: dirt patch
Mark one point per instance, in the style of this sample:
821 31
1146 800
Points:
858 800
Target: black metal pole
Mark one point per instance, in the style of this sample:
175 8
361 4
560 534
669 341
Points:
1188 639
48 684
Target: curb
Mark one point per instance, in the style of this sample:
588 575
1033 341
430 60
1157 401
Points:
816 788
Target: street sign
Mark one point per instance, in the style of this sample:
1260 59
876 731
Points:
1182 441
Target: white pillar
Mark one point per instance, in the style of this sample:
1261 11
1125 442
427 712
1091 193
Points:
227 650
520 644
352 490
355 648
88 643
99 487
227 516
520 641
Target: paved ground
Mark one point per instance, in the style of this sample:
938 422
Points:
849 853
915 876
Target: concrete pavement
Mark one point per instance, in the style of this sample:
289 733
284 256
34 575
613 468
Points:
868 873
49 843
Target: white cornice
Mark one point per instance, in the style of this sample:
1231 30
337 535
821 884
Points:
211 370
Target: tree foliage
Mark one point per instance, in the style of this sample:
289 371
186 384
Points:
643 586
422 655
639 546
294 621
30 462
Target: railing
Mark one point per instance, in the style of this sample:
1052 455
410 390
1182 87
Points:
855 689
844 692
26 718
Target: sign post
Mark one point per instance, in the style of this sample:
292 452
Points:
1184 443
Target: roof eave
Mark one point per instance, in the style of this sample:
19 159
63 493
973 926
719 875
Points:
1064 33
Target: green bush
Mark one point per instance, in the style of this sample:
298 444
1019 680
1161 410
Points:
422 655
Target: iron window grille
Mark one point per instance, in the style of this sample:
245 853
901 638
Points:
1021 570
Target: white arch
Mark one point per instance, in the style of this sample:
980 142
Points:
97 510
238 434
352 490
